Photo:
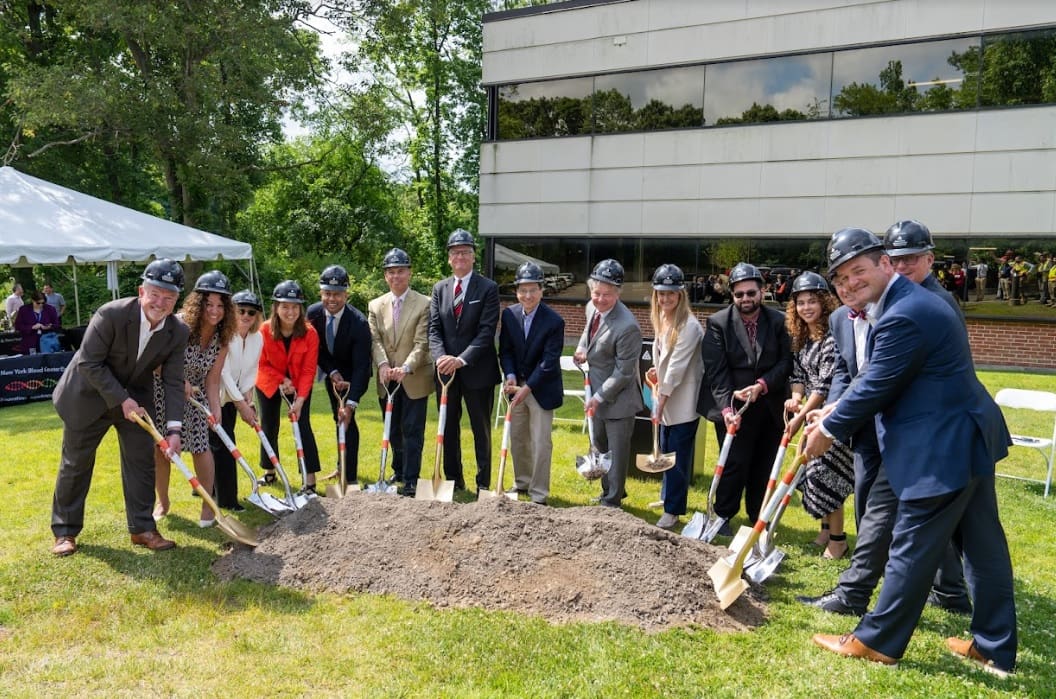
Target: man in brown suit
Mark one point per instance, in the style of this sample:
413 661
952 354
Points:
399 330
109 379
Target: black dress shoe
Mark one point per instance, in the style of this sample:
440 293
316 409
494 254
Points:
408 491
954 605
831 602
725 529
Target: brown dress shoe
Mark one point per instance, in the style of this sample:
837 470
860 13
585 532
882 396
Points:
64 546
153 541
851 647
966 649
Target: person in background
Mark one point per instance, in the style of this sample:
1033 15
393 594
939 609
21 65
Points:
1044 265
110 379
289 358
957 282
1052 286
238 376
344 356
463 318
829 479
610 345
678 370
33 320
14 302
530 342
209 314
54 299
981 270
399 330
748 355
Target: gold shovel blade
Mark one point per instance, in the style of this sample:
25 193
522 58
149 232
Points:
727 581
443 492
650 463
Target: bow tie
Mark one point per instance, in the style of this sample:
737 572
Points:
853 314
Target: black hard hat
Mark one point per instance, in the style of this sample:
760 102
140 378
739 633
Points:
608 271
460 236
334 278
848 243
907 238
809 281
247 298
288 290
743 271
396 258
213 282
529 273
668 277
164 273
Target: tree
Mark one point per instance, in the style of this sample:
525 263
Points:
893 95
190 91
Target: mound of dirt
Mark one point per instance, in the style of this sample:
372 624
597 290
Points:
563 564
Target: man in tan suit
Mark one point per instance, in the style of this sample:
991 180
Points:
399 330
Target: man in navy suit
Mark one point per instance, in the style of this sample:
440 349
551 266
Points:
940 434
875 503
344 355
747 356
110 379
530 343
463 316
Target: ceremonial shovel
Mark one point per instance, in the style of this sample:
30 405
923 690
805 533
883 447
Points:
504 449
655 462
381 486
595 464
436 488
706 527
342 487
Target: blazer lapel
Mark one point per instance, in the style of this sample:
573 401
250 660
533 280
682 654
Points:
742 335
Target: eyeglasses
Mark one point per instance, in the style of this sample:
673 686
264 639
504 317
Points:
251 312
743 294
460 253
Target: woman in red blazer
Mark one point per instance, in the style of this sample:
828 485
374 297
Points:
288 363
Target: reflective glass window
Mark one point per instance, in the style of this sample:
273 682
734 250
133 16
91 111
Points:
932 76
1018 68
651 100
542 109
772 89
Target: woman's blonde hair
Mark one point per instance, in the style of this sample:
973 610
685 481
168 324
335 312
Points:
681 316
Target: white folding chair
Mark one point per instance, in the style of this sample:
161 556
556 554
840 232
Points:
1042 401
568 365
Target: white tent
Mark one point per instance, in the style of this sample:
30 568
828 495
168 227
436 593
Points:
505 258
43 223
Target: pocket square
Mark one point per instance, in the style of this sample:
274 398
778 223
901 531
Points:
473 302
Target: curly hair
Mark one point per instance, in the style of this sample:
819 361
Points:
193 314
798 328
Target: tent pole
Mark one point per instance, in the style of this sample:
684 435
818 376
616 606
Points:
76 292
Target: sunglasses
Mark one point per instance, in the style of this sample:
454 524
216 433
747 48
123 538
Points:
743 294
251 312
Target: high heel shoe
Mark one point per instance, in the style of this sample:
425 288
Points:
836 548
267 479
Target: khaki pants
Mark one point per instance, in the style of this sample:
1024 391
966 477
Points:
531 446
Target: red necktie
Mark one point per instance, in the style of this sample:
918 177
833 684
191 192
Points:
458 298
594 323
751 327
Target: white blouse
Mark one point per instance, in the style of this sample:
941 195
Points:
239 374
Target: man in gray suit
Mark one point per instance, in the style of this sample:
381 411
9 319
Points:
610 346
109 380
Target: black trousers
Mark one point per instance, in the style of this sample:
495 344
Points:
273 411
351 436
747 468
226 481
406 436
479 404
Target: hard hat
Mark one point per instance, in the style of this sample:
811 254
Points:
164 273
334 278
460 236
529 273
743 271
668 277
288 290
809 281
247 298
608 271
213 282
848 243
396 258
907 238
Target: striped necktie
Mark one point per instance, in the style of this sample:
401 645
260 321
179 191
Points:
459 297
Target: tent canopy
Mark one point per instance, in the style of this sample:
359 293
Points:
43 223
505 258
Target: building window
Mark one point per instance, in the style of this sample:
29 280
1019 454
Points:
651 100
551 108
791 88
1017 68
928 77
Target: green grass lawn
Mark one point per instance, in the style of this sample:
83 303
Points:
118 621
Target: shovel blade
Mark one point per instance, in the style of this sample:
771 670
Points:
443 492
766 567
237 531
739 540
382 488
712 529
727 581
334 491
270 504
482 494
648 463
694 528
